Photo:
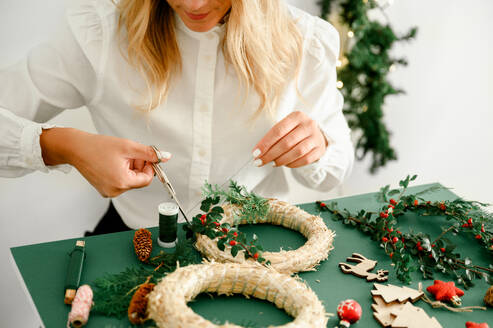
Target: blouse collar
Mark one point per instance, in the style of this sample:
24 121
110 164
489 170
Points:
216 30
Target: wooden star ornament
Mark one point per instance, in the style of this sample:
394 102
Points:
446 291
470 324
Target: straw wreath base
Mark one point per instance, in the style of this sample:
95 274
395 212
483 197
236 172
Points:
316 249
167 304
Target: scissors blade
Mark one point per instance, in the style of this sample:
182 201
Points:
166 182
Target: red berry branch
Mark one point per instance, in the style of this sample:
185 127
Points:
412 251
208 223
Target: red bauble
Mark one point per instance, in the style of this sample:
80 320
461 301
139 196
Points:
470 324
446 291
349 311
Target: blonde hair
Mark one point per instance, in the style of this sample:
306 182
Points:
261 42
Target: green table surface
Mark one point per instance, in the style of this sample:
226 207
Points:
43 268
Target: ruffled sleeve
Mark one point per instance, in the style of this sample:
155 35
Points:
64 73
323 102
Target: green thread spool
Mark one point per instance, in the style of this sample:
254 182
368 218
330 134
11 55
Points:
168 225
74 271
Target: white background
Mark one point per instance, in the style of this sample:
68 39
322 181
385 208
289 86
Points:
441 127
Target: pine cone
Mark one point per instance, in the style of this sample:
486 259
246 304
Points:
137 310
143 244
488 298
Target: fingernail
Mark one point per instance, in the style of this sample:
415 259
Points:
256 152
164 155
257 162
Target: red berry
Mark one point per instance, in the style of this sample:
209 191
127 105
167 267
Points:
395 240
384 215
420 248
392 201
322 205
225 230
217 224
391 254
465 225
416 202
478 237
391 206
203 217
418 244
398 232
482 227
430 256
469 221
442 250
232 242
433 245
203 222
443 207
235 234
385 239
428 202
255 256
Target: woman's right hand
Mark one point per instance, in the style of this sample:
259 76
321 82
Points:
112 165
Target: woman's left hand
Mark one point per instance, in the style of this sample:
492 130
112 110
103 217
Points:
294 142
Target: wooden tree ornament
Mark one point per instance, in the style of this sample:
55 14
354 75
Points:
393 308
382 311
391 293
410 316
362 268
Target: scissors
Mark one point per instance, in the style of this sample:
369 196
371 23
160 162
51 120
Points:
165 181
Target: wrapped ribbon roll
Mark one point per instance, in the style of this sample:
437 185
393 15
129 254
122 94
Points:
81 306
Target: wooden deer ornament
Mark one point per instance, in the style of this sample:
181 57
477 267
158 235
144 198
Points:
362 268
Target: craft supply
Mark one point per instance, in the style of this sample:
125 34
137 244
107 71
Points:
167 304
410 316
81 306
74 271
349 311
391 293
362 268
382 311
316 249
168 224
470 324
137 310
143 244
167 183
439 304
488 297
446 291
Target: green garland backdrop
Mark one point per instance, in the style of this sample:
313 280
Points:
363 73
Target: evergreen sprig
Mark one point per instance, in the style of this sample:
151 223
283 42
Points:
364 76
113 292
251 205
412 251
250 208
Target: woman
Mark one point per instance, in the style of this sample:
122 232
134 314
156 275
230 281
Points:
210 82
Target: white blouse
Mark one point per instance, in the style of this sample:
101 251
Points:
204 121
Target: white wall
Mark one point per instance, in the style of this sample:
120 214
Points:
440 128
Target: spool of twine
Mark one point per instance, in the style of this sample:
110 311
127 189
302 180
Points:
81 306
